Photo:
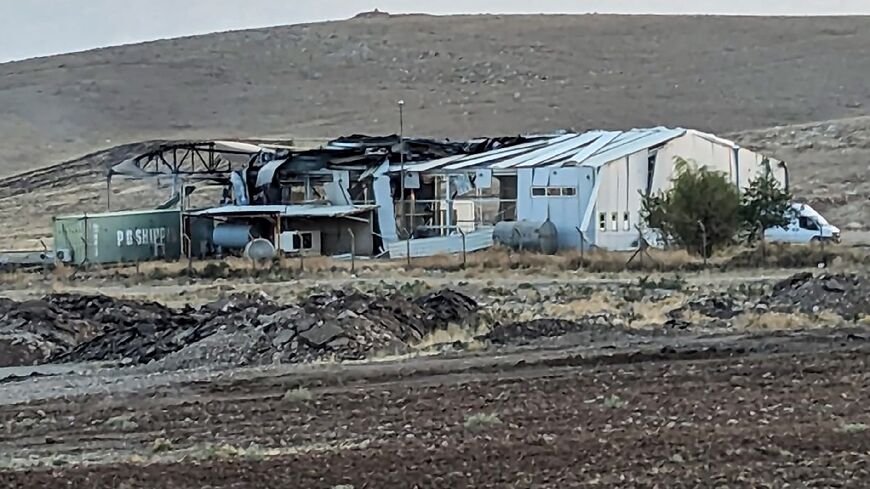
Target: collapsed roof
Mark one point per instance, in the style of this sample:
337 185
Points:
263 164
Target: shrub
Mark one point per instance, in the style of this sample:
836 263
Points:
764 205
481 421
298 395
700 212
703 211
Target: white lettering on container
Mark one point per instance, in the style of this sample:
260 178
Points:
142 237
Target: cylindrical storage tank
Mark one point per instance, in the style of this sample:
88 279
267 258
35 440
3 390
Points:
201 233
113 237
527 235
548 238
232 235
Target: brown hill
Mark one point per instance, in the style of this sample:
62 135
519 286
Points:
459 76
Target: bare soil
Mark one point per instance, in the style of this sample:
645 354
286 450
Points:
707 401
722 417
459 76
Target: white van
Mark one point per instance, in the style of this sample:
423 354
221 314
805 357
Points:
806 226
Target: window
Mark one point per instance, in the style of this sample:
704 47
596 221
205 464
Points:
602 221
614 221
808 224
303 241
626 221
554 191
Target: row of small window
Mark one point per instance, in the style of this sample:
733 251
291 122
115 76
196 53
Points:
613 224
554 191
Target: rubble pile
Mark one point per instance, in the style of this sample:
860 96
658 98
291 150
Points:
843 294
33 331
253 329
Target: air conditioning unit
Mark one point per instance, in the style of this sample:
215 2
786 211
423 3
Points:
301 242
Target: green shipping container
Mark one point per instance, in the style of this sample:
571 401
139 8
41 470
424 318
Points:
114 237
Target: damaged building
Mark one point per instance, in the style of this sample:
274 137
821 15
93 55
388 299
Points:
391 196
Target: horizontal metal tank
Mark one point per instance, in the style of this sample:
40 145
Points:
232 235
114 237
527 235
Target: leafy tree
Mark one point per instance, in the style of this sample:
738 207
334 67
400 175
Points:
765 204
700 212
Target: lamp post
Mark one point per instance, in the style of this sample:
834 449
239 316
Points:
401 104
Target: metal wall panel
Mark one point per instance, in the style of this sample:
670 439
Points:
476 241
120 237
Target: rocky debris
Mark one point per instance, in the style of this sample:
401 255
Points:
718 307
446 306
842 294
33 331
595 328
253 329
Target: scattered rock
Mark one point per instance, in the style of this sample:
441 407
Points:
251 329
842 294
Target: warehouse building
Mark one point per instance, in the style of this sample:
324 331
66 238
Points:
392 196
588 185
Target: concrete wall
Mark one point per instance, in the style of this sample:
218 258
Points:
334 238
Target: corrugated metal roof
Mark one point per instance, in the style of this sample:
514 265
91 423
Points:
591 149
301 210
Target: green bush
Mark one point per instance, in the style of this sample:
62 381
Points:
703 211
700 212
764 205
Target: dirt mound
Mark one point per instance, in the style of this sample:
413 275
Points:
33 331
253 329
594 328
843 294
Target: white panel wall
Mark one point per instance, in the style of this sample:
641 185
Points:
704 152
638 173
752 165
619 201
564 211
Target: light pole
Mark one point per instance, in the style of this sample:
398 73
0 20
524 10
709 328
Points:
402 161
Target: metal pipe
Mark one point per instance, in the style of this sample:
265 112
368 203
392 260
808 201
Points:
464 249
109 192
448 221
352 250
402 160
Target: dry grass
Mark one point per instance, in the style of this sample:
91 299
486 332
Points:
778 321
453 334
797 256
596 303
492 263
498 258
651 314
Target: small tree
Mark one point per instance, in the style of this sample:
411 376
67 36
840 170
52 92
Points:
700 212
765 204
